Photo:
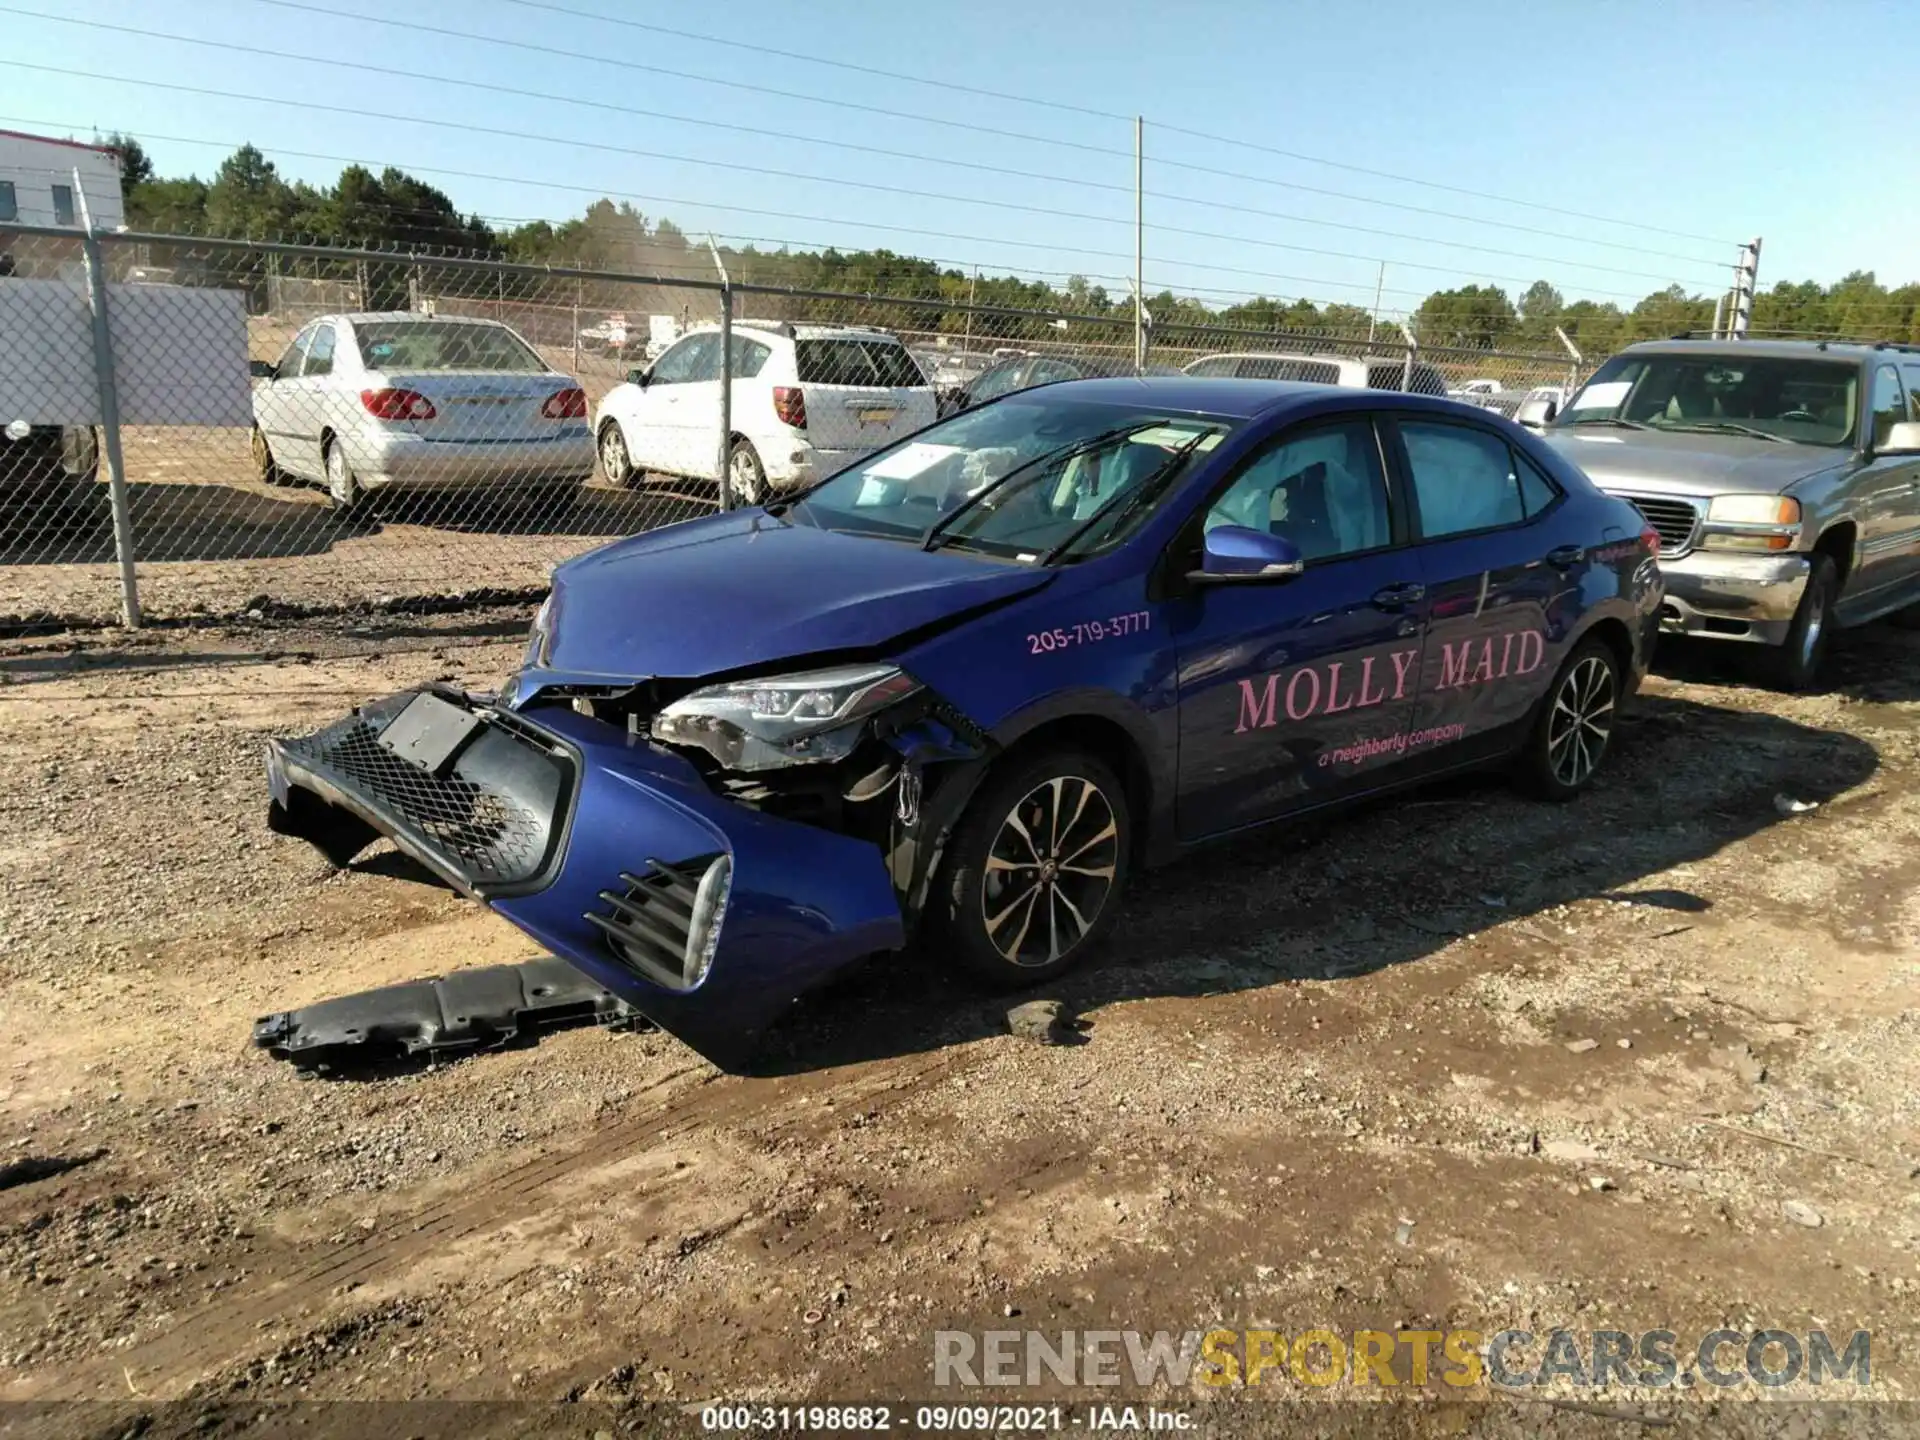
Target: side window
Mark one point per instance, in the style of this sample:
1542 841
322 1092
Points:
319 353
1045 372
749 357
678 365
1323 490
1537 492
1913 391
289 363
63 205
1463 479
1002 379
1889 402
9 204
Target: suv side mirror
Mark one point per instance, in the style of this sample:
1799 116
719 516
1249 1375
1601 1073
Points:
641 375
1902 439
263 370
1235 553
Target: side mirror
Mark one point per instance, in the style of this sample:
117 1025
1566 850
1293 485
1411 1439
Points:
1535 413
1235 553
263 370
1902 439
641 375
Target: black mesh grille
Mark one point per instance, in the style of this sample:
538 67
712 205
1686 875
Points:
486 831
647 923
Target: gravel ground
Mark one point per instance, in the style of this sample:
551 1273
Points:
1457 1059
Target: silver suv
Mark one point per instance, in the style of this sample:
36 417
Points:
1783 477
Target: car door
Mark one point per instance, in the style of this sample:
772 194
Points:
1499 574
309 414
654 441
274 405
1888 501
1298 691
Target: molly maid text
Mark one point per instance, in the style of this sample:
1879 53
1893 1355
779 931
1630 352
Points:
1341 685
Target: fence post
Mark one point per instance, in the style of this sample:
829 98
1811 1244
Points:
1139 249
576 325
109 411
1573 370
725 471
1745 281
1413 349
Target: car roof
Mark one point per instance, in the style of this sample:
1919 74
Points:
1235 399
409 317
1770 349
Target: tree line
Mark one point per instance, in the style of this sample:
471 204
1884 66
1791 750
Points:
247 197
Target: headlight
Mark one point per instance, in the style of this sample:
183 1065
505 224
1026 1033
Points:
785 720
1751 522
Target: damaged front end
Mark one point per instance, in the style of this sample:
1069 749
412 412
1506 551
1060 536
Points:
706 853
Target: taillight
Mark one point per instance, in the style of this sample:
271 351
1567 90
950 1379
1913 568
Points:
397 405
1650 538
570 404
790 405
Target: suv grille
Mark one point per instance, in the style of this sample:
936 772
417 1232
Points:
1675 519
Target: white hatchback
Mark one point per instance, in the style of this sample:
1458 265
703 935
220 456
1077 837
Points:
807 400
360 403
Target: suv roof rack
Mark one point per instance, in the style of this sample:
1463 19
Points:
1821 343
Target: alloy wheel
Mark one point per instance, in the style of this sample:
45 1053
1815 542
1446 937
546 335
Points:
743 473
1050 871
340 482
1581 722
613 454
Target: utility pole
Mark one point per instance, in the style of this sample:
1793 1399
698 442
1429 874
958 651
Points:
1139 247
1745 281
1379 288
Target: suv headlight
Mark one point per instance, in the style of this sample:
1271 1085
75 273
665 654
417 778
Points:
802 719
1751 522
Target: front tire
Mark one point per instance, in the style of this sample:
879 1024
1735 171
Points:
1574 730
1036 870
615 461
1796 664
264 468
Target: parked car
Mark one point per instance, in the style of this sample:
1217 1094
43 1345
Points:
1021 372
1476 387
964 688
1375 372
807 400
1783 476
48 478
364 404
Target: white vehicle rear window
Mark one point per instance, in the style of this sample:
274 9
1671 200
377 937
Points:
881 363
443 345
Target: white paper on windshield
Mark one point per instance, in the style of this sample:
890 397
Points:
1172 437
1607 395
911 460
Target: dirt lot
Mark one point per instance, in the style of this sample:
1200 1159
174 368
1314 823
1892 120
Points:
1339 1077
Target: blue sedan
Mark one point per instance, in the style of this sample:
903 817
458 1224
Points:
962 690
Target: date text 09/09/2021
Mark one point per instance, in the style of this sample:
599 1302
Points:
1089 632
941 1419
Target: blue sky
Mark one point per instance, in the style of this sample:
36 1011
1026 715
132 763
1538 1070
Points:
1716 120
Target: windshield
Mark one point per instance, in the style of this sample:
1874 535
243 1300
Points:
443 345
1812 402
1087 475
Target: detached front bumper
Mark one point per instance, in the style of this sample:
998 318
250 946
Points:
1727 596
593 841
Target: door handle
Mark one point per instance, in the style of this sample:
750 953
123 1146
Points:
1565 557
1398 597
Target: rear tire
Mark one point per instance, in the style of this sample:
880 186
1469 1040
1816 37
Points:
1036 870
1795 665
1574 730
264 468
343 486
745 474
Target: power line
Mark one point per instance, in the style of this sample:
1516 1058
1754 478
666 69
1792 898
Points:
790 137
1431 184
876 186
651 199
763 89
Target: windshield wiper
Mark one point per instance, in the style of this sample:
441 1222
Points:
1605 420
935 534
1731 428
1122 506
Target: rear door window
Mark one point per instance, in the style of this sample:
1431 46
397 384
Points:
877 363
319 353
1889 402
1913 392
1463 479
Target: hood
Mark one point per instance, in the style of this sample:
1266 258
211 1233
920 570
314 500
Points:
1691 464
733 592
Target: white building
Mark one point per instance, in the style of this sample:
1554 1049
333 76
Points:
37 181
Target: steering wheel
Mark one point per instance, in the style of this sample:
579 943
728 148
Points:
1806 415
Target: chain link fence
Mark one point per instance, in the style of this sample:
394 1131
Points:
303 428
